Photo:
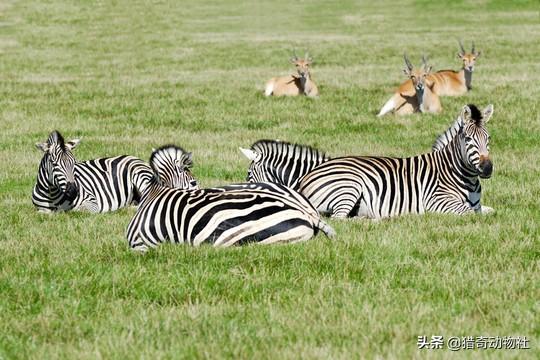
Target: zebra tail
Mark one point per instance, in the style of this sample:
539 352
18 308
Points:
326 229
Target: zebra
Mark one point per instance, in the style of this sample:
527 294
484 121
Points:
98 185
281 162
171 210
445 180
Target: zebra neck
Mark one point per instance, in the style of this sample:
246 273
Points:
43 186
459 166
152 188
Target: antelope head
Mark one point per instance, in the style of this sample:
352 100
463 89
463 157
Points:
302 65
418 76
468 58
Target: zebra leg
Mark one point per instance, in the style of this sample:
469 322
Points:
140 247
342 206
457 207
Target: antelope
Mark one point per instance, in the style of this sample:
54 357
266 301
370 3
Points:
455 83
416 94
294 85
445 82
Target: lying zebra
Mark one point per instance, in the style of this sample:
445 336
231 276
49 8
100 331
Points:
445 180
231 215
99 185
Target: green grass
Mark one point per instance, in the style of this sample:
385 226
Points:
128 77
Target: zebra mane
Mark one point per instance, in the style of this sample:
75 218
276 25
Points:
476 114
445 138
169 155
265 147
56 138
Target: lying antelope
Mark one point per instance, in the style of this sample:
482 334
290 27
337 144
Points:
445 82
294 85
454 83
414 95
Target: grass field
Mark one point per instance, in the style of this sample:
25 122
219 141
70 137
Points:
127 77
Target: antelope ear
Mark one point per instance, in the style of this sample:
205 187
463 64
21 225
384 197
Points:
460 55
406 72
250 154
477 55
487 112
72 144
429 68
43 146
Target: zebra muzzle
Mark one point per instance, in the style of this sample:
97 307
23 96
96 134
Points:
71 191
486 168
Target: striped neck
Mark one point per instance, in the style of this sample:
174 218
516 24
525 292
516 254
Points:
454 154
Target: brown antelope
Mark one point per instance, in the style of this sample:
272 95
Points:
445 82
454 83
416 97
294 85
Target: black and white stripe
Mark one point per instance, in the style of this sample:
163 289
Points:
232 215
445 180
281 162
98 185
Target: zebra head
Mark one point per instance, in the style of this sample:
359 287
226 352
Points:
256 171
58 164
171 165
475 139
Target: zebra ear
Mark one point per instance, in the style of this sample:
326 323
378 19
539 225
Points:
189 159
486 113
72 144
43 146
466 115
250 154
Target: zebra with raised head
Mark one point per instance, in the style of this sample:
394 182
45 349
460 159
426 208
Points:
281 162
172 210
98 185
445 180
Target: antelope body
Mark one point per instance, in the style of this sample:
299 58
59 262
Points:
296 84
419 96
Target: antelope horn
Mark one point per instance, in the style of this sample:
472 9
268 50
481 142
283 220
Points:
472 50
295 57
461 47
407 62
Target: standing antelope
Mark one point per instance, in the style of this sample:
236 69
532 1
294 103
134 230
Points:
294 85
416 94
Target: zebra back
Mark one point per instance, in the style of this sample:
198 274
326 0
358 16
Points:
281 162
